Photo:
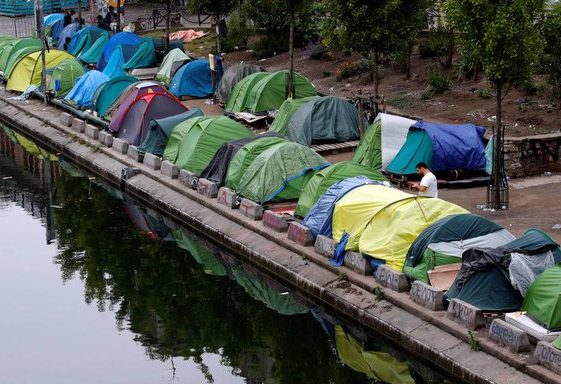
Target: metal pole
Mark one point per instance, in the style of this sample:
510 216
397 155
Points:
290 91
168 11
79 14
118 16
41 35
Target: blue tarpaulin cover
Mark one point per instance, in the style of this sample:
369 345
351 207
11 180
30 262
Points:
83 91
320 217
56 22
68 31
193 79
455 146
121 38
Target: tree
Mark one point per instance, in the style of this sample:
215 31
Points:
503 35
216 8
374 29
552 54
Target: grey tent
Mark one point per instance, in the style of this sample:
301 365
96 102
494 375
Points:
160 129
324 119
218 167
232 76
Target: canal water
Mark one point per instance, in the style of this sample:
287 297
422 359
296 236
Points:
97 289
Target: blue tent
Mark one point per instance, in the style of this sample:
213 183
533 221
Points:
320 216
56 22
124 39
193 79
444 147
68 31
144 55
83 39
114 67
83 91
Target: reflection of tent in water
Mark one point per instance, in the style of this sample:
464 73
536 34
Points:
28 145
202 255
151 227
272 298
379 366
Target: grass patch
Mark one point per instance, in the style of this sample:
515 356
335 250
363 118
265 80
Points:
403 101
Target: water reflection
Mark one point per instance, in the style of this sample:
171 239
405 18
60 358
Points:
186 299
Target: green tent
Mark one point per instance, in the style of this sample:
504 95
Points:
262 91
171 63
444 242
11 52
16 56
242 90
280 173
6 42
232 76
65 75
144 56
543 300
160 129
199 139
244 157
92 55
106 94
322 180
285 112
202 255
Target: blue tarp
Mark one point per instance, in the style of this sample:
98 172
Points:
56 22
455 146
193 79
83 91
68 31
320 217
121 38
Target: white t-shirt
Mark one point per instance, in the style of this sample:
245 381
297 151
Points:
429 181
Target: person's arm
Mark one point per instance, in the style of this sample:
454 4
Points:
419 187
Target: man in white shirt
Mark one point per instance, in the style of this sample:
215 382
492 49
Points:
428 185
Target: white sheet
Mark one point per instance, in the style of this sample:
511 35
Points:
394 134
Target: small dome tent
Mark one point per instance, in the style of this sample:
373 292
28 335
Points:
54 23
327 118
144 55
127 40
16 56
82 93
171 63
160 129
108 92
83 40
217 169
382 140
68 31
131 93
232 76
263 91
193 79
328 176
193 143
543 300
132 126
27 71
444 242
9 53
280 173
286 111
444 147
92 55
64 77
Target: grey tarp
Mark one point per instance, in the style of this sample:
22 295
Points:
232 76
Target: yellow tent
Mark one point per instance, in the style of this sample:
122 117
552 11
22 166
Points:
355 210
391 231
379 366
28 70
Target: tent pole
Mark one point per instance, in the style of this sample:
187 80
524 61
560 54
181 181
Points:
41 35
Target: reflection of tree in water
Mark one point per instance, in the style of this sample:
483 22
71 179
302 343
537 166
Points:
162 295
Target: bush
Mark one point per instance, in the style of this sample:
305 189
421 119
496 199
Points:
485 93
270 45
552 54
350 69
314 50
238 32
438 82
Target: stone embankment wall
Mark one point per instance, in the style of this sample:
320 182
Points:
532 155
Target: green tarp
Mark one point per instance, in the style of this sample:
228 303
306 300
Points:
543 300
173 60
369 150
262 92
64 76
232 76
322 180
194 142
245 156
280 173
286 111
327 118
417 148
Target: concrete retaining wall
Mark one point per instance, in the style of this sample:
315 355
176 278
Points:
533 155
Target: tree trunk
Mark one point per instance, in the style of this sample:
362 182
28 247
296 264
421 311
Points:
168 11
217 21
290 91
450 48
498 148
376 74
118 16
408 61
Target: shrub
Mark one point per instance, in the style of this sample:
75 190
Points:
485 93
350 69
314 50
238 32
438 82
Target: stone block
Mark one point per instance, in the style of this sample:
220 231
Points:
275 221
106 138
510 336
152 161
78 125
66 119
300 234
325 246
207 188
427 296
228 197
251 209
548 356
120 146
169 169
391 279
468 315
358 263
135 154
188 178
91 131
